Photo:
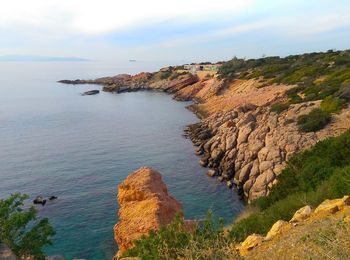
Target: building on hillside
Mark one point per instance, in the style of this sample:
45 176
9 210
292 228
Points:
193 68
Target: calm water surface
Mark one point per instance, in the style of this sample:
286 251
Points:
53 141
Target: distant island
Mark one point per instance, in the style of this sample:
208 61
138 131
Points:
38 58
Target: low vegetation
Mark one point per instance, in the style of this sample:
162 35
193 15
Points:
206 241
316 76
21 230
332 104
314 121
279 107
170 73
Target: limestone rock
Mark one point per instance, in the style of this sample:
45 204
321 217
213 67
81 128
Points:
277 228
301 214
332 206
244 173
244 133
145 205
6 253
249 243
211 173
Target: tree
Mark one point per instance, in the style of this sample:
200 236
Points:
21 230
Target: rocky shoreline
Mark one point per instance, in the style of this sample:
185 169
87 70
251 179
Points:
242 142
142 81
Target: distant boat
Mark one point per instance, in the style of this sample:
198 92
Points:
132 60
91 92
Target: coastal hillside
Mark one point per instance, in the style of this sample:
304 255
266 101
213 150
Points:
256 113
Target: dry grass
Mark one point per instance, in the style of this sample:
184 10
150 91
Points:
217 249
327 238
331 241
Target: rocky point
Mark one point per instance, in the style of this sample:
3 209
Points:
145 205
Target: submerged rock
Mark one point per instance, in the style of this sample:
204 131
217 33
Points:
90 92
39 200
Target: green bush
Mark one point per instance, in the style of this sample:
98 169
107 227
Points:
20 229
165 74
332 104
314 121
279 107
344 90
175 241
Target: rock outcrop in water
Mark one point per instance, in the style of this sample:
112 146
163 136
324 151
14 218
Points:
145 205
142 81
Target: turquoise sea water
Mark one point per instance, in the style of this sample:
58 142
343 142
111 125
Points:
53 141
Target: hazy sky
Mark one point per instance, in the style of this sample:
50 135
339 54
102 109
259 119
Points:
188 30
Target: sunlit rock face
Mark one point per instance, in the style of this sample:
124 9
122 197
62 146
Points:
145 205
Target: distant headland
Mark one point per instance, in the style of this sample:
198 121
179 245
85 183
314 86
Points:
38 58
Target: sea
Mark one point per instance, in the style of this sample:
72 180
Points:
56 142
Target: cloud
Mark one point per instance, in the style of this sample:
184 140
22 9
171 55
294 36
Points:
218 34
95 17
311 25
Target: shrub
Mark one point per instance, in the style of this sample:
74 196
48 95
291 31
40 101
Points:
208 76
165 74
337 186
279 107
344 90
175 241
20 229
332 104
174 76
314 121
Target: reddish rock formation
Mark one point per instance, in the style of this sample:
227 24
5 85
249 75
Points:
144 205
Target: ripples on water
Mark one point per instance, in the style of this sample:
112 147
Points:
56 142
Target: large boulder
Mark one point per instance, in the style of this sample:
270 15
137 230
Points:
279 227
6 253
332 206
301 214
145 205
249 243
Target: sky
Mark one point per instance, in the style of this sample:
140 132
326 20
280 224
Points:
178 30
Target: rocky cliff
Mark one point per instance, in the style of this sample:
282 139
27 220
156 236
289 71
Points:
145 205
249 146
